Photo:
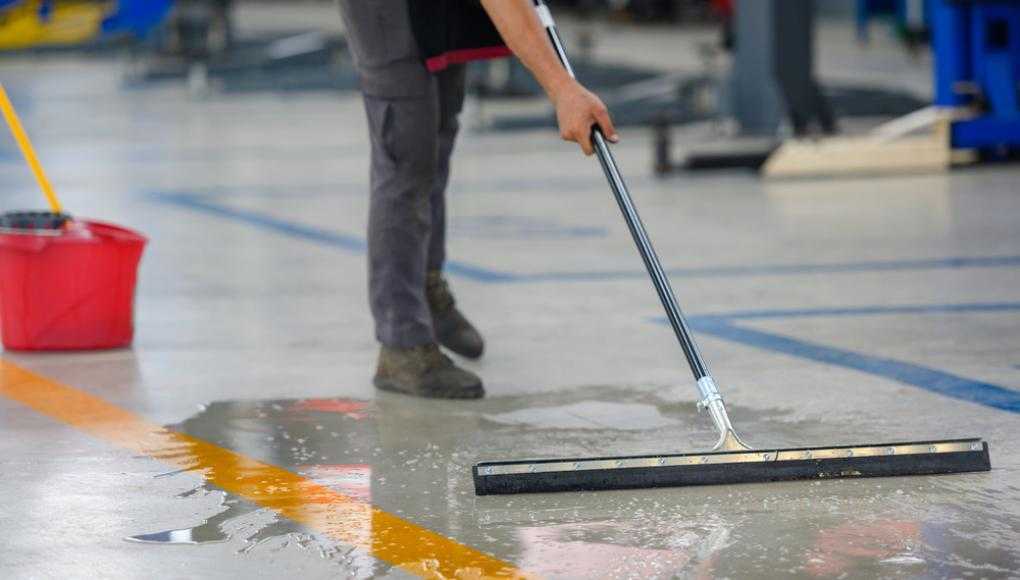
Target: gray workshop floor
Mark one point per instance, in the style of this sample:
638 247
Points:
832 311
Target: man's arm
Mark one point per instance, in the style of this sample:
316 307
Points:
577 109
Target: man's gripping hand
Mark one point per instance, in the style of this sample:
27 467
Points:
578 111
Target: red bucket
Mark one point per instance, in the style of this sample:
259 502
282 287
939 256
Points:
70 289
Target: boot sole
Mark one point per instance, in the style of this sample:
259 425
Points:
384 384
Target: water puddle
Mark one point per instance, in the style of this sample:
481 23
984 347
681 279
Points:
413 458
588 415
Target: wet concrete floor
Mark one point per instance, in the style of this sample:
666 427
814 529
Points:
831 311
391 449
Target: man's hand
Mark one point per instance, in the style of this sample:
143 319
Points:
578 110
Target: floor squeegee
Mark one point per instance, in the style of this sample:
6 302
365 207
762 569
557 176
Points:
731 460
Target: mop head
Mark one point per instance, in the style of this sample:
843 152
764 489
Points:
762 465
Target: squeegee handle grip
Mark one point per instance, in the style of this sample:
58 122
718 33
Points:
630 214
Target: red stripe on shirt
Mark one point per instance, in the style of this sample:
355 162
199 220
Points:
438 63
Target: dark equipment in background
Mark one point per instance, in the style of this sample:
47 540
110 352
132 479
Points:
911 19
794 66
975 115
749 93
773 70
509 79
200 45
644 10
201 29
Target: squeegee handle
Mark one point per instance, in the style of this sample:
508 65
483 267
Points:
630 214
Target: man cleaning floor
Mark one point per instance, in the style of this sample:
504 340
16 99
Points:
410 56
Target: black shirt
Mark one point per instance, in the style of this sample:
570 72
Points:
454 31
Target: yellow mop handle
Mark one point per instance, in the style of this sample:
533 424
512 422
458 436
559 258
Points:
26 149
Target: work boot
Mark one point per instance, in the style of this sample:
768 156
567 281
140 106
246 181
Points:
452 330
424 371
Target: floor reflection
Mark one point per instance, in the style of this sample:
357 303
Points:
412 458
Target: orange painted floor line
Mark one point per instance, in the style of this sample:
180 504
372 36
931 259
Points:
385 536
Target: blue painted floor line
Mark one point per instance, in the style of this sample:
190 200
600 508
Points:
927 378
866 311
952 263
205 204
346 242
266 222
721 325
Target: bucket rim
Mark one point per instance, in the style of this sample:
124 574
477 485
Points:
100 233
111 229
47 232
101 229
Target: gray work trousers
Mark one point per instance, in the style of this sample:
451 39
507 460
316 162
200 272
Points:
412 122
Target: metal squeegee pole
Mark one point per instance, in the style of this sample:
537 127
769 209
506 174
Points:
710 400
634 223
650 258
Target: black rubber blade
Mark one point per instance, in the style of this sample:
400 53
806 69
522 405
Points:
759 465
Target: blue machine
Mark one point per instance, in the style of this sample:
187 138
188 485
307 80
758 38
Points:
976 44
137 18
